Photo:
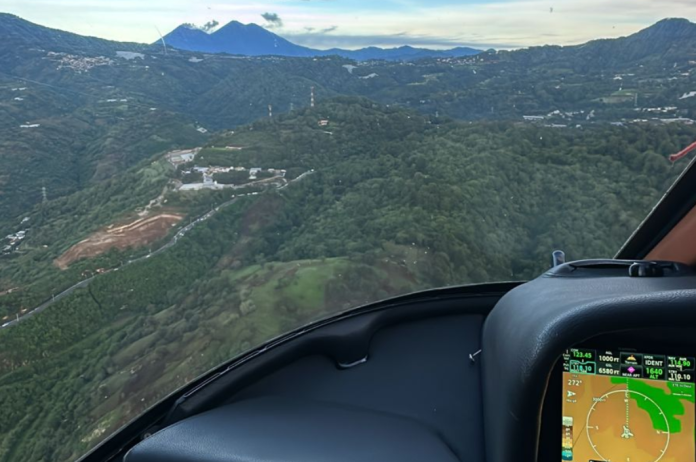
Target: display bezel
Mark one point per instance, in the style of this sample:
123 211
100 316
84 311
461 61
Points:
552 411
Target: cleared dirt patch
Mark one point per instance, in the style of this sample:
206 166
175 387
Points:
140 232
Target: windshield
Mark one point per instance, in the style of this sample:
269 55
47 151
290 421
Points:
183 181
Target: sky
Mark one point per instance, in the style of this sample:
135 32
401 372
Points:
351 24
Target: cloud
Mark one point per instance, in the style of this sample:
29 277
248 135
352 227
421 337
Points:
209 26
323 41
273 20
314 30
499 24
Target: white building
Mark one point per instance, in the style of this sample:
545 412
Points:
253 172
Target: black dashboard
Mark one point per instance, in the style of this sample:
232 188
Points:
594 310
589 362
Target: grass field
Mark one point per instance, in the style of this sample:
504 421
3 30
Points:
273 299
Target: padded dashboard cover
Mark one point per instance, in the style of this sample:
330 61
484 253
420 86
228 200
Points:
531 326
281 430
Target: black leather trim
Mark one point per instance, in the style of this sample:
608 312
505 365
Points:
275 429
418 370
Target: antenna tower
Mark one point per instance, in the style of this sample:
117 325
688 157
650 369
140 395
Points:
164 44
312 100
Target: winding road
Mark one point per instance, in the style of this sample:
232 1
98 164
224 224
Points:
181 233
85 282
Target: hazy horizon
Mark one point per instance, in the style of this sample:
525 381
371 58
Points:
325 24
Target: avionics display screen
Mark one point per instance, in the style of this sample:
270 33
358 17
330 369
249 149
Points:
626 406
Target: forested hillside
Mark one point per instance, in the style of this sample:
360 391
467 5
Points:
74 146
17 32
397 202
122 104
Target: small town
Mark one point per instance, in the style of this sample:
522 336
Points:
655 115
77 63
13 241
235 177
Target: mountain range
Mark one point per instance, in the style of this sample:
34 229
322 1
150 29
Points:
18 32
101 110
673 37
253 40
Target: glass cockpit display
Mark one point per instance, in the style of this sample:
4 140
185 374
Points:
626 406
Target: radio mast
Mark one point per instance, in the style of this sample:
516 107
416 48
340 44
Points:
312 99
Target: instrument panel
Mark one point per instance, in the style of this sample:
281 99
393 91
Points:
623 405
